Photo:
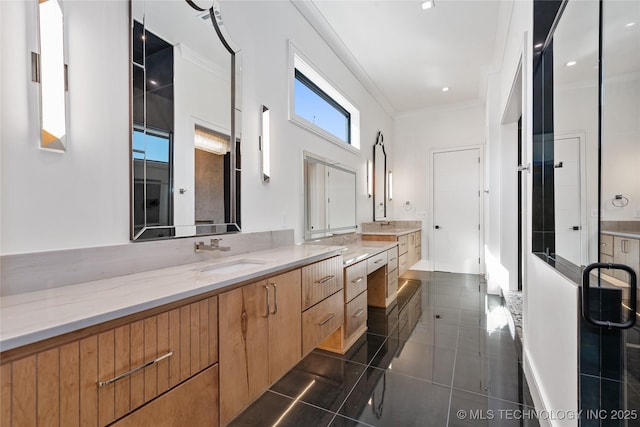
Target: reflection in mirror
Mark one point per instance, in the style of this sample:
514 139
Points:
575 117
379 179
330 197
185 144
620 140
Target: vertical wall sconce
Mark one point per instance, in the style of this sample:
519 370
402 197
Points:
49 70
390 185
265 146
369 178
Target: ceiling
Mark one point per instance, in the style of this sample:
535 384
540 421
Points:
408 54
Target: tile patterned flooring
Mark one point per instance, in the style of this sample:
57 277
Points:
443 355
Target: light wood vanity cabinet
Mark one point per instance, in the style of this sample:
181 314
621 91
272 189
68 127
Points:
620 250
93 381
409 247
260 329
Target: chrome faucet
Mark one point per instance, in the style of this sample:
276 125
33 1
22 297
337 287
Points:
214 245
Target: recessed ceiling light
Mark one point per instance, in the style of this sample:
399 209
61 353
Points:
445 89
428 4
570 64
539 45
630 24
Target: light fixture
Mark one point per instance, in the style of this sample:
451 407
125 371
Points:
210 141
570 64
428 4
390 185
369 178
445 89
49 70
265 146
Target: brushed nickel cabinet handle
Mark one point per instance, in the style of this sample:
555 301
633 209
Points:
358 280
266 288
134 370
393 259
325 279
358 313
331 316
377 261
275 298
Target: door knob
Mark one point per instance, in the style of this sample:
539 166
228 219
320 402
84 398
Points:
437 227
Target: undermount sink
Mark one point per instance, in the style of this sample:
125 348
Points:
230 267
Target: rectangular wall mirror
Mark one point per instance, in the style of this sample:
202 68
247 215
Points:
185 151
330 197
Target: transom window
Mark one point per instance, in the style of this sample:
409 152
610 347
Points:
320 107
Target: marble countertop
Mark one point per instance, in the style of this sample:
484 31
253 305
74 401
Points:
34 316
391 231
627 234
363 250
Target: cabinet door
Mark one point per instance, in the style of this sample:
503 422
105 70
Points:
243 334
412 250
193 403
285 324
626 251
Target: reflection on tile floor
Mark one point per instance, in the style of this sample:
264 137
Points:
443 355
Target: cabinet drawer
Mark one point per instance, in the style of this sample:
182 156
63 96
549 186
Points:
375 262
321 279
192 403
606 244
392 283
355 315
321 320
403 244
392 259
403 264
355 280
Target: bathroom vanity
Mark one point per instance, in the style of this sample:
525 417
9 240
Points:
409 240
620 247
194 343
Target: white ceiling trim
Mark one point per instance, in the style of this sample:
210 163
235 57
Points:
319 23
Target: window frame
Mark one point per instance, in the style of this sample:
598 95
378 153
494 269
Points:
326 90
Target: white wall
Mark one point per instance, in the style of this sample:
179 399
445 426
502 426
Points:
81 198
416 135
265 61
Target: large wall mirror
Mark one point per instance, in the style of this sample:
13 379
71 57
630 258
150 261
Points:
379 179
185 150
330 197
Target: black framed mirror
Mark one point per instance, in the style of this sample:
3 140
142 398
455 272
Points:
379 179
185 115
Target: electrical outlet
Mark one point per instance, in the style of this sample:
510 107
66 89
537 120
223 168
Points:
594 213
421 214
638 213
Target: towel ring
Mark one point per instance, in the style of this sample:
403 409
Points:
619 201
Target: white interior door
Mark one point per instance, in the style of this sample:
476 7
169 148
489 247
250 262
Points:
566 185
456 211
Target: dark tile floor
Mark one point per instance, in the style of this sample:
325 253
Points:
442 355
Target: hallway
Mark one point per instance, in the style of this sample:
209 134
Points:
444 355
